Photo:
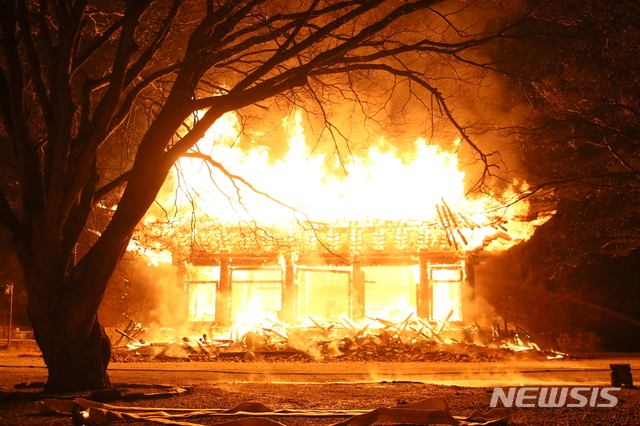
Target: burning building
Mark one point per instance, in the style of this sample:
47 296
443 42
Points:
328 270
399 236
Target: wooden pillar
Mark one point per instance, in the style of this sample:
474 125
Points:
469 290
183 303
423 292
356 292
302 302
288 309
223 295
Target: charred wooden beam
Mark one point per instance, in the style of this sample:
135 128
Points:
223 295
235 260
181 284
423 291
322 259
288 309
127 329
332 264
469 290
453 221
356 292
323 270
444 222
391 259
125 335
254 268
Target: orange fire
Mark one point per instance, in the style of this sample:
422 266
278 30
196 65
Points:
425 185
384 185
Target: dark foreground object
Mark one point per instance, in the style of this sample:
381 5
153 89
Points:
621 375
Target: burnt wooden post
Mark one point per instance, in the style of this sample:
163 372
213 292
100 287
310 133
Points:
182 304
223 295
469 290
181 274
356 292
423 293
288 310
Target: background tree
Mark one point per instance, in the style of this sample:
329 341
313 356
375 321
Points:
582 139
579 146
94 97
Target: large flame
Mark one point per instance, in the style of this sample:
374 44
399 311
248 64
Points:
425 185
383 185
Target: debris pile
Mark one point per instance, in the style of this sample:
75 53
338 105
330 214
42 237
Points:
375 339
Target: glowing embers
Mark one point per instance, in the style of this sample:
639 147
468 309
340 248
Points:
445 284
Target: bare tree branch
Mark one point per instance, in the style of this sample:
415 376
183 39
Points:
34 61
111 186
16 117
80 60
438 96
236 178
144 59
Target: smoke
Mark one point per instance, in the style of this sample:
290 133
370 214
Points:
144 293
170 306
298 341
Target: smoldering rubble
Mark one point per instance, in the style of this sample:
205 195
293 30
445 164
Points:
376 339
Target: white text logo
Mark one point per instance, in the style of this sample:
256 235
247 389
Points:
554 396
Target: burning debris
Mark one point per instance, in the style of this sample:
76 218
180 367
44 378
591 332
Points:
130 332
373 339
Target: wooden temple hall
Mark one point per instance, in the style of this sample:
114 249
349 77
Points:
435 285
345 268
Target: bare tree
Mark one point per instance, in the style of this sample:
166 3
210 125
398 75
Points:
80 80
581 144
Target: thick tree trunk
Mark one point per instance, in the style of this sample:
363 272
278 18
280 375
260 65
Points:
74 344
77 364
63 313
64 296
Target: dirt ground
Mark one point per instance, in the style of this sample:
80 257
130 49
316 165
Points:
18 406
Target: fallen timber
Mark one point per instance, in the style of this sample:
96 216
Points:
379 339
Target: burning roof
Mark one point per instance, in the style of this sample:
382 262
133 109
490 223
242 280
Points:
385 202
